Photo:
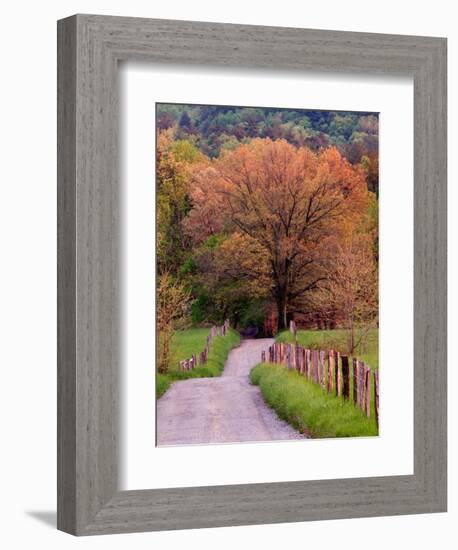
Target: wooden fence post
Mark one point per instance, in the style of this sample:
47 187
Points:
338 375
308 367
288 356
355 381
361 383
322 371
376 395
315 365
368 391
345 377
298 351
330 371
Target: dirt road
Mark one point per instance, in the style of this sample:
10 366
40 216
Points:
221 410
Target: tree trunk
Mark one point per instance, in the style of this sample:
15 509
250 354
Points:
282 311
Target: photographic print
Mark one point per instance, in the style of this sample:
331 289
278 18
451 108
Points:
266 274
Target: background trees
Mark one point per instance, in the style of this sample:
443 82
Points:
351 287
213 128
268 209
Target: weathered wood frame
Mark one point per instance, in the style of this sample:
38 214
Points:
89 48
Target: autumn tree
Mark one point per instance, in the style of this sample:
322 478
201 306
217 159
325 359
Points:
231 280
172 303
287 201
174 159
351 287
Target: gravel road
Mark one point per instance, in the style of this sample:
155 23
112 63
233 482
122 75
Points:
221 410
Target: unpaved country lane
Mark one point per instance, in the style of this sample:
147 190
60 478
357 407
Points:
221 410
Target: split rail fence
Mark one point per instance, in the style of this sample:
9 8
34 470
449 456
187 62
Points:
202 357
331 370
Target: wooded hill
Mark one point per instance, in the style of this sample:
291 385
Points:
213 128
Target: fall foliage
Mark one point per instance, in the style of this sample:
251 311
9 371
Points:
278 212
285 200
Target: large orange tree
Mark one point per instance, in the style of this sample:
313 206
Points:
288 201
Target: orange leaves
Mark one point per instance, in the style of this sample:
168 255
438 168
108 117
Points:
274 191
239 258
280 205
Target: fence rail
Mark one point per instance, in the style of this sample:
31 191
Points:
202 357
331 370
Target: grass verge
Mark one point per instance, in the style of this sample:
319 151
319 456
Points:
309 408
186 343
219 350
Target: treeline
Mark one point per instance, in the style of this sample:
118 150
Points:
213 128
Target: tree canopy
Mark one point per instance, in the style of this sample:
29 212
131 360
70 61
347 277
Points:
256 208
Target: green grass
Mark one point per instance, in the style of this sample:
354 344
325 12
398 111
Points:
335 339
309 408
185 344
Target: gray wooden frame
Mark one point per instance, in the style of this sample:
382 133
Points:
89 48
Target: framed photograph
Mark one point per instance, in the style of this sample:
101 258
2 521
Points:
251 274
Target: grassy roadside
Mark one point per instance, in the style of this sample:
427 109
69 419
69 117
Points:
309 408
334 339
185 343
193 342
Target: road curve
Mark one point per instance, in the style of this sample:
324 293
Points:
227 409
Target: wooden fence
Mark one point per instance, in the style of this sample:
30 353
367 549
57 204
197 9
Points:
332 371
202 357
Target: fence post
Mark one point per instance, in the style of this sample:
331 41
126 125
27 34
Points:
361 383
345 377
376 395
368 392
303 366
330 371
355 381
338 375
307 363
288 356
263 356
315 365
322 371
